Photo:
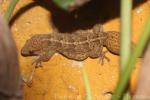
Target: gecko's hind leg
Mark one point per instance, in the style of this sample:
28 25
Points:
102 57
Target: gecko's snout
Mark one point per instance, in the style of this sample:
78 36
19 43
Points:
24 52
27 52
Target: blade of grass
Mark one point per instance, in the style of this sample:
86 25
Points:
125 51
131 61
10 9
127 96
126 6
87 85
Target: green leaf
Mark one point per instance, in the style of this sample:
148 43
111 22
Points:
64 4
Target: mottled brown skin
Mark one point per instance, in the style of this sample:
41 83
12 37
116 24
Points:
78 45
112 42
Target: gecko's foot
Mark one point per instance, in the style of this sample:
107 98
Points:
37 63
102 57
27 82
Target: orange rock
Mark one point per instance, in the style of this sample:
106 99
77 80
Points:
60 78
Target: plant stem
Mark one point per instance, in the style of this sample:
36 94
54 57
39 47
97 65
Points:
126 6
87 85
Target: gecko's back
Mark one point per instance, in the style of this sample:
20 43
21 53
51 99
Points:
78 45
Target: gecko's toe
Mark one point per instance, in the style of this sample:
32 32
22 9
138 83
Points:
27 82
102 57
37 65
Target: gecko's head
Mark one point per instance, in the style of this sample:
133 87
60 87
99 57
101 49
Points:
32 46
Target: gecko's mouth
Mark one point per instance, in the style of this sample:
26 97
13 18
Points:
27 53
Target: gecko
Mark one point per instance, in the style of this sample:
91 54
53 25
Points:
78 45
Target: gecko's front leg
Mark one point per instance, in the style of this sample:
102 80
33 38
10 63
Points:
98 52
44 56
102 57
